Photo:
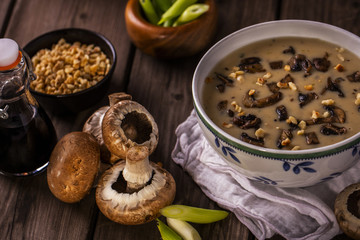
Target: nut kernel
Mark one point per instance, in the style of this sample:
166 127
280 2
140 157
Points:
328 102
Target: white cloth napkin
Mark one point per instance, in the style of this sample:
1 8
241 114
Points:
294 213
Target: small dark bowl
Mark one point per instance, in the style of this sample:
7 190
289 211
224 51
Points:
86 98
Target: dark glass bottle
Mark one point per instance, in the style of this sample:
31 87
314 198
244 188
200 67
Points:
27 135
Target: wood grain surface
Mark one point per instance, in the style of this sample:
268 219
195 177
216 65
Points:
30 211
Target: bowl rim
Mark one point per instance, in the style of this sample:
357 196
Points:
97 34
267 152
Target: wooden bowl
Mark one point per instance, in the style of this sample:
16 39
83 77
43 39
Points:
170 42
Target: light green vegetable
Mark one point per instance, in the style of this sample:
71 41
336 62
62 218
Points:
184 229
193 214
149 11
176 9
191 13
164 5
166 232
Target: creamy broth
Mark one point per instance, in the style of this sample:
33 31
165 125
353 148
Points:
306 81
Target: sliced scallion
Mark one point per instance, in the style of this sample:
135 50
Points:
166 232
184 229
193 214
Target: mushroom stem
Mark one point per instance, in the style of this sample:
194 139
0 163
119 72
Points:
137 171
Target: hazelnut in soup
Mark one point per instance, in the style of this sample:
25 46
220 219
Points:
286 93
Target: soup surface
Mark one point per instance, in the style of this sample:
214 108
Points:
286 93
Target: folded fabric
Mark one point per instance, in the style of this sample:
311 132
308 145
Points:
294 213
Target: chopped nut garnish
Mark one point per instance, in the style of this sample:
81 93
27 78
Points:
235 68
68 68
339 68
261 81
302 125
236 73
208 80
292 120
285 142
357 101
287 68
328 102
309 87
232 75
227 125
252 92
315 114
267 76
326 114
236 106
340 57
296 148
282 84
260 133
340 50
240 78
292 86
300 132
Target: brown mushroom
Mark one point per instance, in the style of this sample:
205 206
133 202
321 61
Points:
251 65
254 141
355 77
132 192
300 62
333 86
247 121
127 124
284 138
337 115
250 101
281 112
322 64
290 50
73 166
347 210
307 98
93 125
331 129
276 64
311 138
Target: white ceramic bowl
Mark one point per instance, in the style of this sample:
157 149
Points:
283 168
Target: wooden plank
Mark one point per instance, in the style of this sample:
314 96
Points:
5 8
164 88
29 210
344 14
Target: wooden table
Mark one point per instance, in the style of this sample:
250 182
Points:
30 211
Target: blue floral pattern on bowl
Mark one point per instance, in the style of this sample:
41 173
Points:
226 150
265 180
298 167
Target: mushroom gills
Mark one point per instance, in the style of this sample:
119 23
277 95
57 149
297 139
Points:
353 203
121 185
136 127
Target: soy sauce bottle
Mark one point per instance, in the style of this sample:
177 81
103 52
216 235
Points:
27 136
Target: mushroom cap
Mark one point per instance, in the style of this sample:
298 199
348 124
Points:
348 215
73 166
134 208
127 124
93 126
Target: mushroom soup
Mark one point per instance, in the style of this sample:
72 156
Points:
286 93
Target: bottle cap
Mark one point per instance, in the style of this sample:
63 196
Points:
10 55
